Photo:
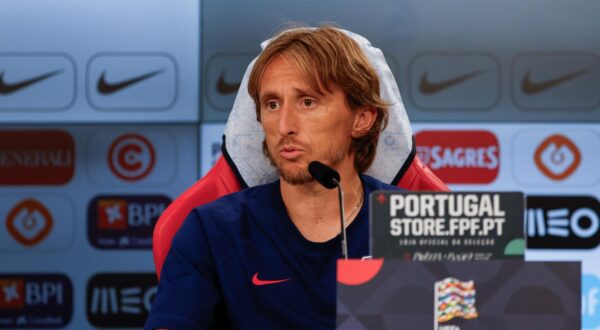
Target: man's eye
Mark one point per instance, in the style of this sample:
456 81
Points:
272 105
308 102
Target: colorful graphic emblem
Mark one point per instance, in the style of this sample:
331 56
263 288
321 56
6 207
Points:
454 298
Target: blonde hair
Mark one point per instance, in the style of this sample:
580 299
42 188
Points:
327 55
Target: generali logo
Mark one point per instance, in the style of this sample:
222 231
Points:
131 157
468 157
557 157
29 222
36 157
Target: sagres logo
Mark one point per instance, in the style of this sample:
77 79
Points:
557 157
29 222
124 222
36 157
131 157
120 300
562 222
460 156
35 301
590 301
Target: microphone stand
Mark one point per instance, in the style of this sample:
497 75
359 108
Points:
343 224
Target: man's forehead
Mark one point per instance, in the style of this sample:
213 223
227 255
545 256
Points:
308 81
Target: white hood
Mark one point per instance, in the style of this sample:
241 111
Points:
244 134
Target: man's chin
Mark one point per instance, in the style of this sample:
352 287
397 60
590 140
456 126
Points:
298 177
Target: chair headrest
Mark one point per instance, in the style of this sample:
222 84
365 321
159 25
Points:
244 135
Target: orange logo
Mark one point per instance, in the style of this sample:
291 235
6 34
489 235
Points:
557 157
29 222
131 157
112 214
12 293
36 157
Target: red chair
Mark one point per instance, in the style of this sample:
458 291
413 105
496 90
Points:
244 164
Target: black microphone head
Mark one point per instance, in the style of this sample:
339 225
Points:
324 174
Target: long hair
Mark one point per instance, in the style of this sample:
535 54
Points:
327 55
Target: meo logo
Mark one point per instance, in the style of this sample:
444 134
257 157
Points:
131 157
562 222
118 300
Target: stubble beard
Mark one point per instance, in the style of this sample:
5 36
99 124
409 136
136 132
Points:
332 158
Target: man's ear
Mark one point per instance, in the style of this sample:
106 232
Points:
363 121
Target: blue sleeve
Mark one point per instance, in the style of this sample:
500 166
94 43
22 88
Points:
188 295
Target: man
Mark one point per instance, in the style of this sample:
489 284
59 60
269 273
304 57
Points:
265 258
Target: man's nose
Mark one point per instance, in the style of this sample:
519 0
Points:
288 120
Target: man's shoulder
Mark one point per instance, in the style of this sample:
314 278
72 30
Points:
373 184
235 203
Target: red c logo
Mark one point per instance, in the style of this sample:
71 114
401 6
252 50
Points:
131 157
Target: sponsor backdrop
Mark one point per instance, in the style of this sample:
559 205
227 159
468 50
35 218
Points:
110 109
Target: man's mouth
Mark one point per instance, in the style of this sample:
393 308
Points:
290 152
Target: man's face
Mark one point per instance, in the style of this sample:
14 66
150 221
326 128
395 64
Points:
300 124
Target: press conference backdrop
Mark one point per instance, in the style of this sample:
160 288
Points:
110 109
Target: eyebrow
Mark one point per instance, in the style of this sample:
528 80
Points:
310 91
269 95
299 91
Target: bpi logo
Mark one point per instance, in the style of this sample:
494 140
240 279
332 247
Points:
34 301
460 156
557 157
29 222
124 222
120 300
12 293
590 301
131 157
562 222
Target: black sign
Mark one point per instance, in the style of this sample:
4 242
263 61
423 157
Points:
562 222
120 300
463 226
35 301
516 295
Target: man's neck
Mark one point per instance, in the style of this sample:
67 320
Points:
314 209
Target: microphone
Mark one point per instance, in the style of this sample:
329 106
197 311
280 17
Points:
330 178
324 174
